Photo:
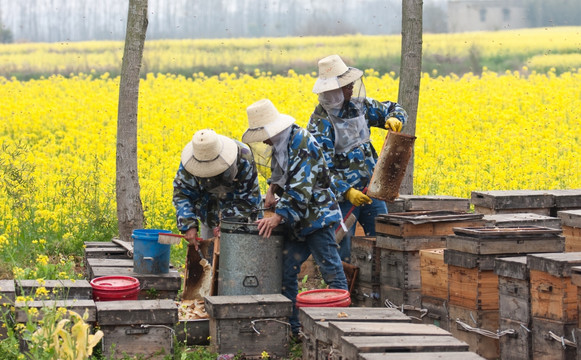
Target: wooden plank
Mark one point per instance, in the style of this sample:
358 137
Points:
106 252
488 211
55 289
435 203
437 312
513 267
137 312
480 319
433 273
545 347
521 219
556 264
469 261
400 269
448 355
472 288
410 243
104 262
553 297
78 306
346 328
309 315
248 306
512 199
506 246
352 346
514 299
100 244
518 345
507 232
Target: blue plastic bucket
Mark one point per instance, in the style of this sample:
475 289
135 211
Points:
149 256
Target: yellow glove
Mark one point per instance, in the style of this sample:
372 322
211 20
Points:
356 197
393 124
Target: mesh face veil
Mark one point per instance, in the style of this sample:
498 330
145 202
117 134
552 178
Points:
221 183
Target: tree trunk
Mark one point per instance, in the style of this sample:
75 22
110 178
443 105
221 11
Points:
410 75
129 207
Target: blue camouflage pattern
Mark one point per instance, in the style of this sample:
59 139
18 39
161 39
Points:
355 167
193 203
307 203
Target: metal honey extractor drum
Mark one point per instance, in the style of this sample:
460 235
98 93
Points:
249 264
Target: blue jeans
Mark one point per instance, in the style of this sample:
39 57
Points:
321 244
365 215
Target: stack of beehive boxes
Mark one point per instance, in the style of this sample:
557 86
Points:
400 238
542 202
554 305
380 333
473 285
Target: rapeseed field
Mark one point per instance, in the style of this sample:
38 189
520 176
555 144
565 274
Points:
493 131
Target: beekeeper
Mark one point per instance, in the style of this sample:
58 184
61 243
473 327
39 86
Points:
299 190
217 178
341 125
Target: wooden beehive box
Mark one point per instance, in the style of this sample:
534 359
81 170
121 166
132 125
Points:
553 340
571 224
137 327
55 289
400 269
506 241
512 201
407 300
315 322
576 280
514 289
353 346
513 220
365 255
249 323
434 203
553 295
413 231
193 332
569 199
105 250
433 273
451 355
472 282
488 320
152 286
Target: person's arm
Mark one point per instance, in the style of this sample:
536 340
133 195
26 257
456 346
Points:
379 112
185 193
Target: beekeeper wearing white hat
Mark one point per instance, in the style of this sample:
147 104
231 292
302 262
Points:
341 124
217 178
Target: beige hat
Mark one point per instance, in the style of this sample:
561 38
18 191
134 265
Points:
209 154
264 122
334 74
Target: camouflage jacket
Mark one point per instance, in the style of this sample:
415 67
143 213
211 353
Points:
193 202
307 203
353 168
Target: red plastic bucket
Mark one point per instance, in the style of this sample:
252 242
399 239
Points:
111 288
324 298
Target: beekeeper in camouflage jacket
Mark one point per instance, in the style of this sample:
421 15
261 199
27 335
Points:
341 125
217 177
306 207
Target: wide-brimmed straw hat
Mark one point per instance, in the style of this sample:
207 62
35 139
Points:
209 154
334 74
264 121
